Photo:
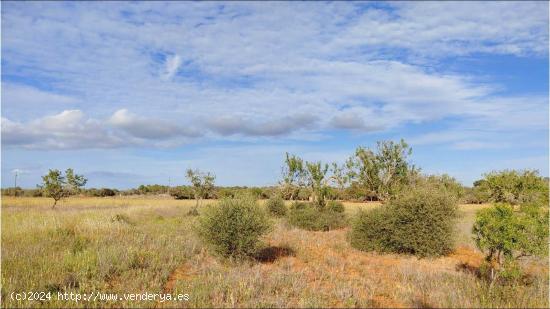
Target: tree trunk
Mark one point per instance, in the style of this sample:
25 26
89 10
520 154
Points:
54 203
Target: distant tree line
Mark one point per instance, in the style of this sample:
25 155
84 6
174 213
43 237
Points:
367 175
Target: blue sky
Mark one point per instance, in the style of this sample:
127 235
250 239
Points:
135 93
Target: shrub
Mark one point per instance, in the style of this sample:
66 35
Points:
447 183
276 206
474 195
309 217
182 193
335 206
233 227
420 221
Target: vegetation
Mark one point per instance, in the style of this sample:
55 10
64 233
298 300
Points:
514 187
336 206
316 179
103 192
311 217
288 267
382 172
276 206
420 221
443 182
340 178
506 235
475 195
162 254
202 183
58 186
152 189
293 175
233 227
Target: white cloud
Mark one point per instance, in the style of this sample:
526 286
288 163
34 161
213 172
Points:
253 69
172 65
72 129
226 125
66 130
149 128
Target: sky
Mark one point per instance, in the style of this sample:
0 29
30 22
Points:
131 93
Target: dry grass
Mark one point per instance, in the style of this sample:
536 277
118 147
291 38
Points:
135 245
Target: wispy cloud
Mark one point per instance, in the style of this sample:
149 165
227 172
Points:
253 68
172 65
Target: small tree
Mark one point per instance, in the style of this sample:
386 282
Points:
339 177
202 183
383 172
506 234
316 173
293 175
57 186
74 182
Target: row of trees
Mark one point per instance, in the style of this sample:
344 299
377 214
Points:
379 173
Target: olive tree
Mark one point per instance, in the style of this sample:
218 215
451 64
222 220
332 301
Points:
514 187
293 174
507 234
57 186
339 176
382 172
74 182
316 179
202 184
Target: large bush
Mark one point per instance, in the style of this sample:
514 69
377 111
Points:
233 227
420 221
276 206
311 217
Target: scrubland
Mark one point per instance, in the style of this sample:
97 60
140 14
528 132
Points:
136 245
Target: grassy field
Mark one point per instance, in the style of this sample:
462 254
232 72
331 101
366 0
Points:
136 245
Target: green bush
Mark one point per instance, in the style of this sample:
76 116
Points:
506 234
335 206
475 195
182 193
420 221
233 227
276 206
309 217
